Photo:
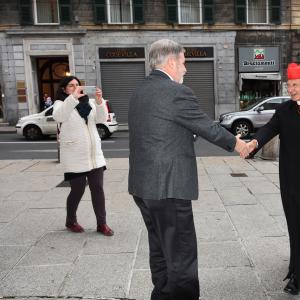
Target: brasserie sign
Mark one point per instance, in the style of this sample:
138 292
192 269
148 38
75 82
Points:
259 59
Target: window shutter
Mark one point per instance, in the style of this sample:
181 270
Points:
172 11
25 9
138 11
100 11
65 11
275 11
240 11
208 11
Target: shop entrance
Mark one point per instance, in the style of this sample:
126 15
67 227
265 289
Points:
253 89
50 70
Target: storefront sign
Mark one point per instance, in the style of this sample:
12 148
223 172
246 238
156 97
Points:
259 59
199 52
116 53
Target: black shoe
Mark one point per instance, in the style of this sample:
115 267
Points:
292 286
288 276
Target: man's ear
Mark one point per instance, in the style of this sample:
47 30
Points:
171 62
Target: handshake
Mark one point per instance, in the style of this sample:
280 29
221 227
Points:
243 148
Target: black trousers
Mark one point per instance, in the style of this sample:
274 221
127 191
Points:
173 248
95 181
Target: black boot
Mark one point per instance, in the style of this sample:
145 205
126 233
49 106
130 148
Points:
292 286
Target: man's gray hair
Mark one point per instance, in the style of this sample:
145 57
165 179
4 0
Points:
160 50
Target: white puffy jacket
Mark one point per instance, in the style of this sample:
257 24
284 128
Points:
80 144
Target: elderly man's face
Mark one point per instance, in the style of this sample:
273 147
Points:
176 67
294 89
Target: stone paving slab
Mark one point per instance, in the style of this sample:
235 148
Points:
205 183
237 195
34 281
208 201
99 276
214 226
26 229
253 221
10 256
54 248
272 203
262 187
230 284
222 255
223 181
11 210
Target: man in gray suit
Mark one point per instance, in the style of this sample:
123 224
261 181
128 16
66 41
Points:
164 116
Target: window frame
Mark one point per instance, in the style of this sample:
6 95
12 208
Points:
118 23
35 16
200 13
256 23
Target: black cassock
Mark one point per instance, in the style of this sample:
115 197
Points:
286 123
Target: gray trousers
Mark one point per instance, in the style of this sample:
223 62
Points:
173 248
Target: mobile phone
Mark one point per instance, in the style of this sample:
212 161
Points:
89 90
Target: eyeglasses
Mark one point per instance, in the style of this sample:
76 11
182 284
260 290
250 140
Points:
72 85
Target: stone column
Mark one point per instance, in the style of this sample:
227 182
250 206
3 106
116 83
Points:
270 151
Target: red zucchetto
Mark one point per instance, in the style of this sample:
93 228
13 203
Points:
293 71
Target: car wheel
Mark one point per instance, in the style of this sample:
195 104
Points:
32 133
242 127
103 131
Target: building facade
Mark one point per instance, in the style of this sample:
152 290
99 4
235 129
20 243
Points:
236 51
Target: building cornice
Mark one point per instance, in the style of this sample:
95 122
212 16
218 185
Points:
38 31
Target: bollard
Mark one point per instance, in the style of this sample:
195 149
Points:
270 151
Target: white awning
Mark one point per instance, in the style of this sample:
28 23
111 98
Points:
258 76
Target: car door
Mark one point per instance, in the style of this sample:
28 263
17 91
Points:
50 124
266 110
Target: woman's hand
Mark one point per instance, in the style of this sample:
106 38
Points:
98 96
78 92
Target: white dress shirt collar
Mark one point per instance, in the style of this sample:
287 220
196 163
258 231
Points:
165 73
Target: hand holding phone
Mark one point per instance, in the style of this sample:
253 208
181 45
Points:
89 90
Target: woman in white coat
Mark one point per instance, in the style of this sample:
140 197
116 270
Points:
80 149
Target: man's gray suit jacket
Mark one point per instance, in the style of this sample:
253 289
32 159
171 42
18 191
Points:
163 116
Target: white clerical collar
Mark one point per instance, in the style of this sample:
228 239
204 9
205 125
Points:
165 73
298 102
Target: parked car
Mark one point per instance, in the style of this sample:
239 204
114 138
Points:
35 126
247 121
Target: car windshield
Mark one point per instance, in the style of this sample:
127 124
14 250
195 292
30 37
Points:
253 104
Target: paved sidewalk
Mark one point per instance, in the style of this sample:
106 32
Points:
242 238
8 129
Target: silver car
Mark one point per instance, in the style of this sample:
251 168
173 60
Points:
247 121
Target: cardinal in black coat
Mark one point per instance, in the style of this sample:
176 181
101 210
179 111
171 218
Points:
286 123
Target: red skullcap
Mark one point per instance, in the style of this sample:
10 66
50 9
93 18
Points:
293 71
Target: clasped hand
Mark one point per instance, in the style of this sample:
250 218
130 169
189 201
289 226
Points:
243 148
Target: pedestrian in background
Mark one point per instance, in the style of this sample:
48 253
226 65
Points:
80 149
47 101
163 117
286 123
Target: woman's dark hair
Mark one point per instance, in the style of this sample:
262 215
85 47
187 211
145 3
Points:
60 94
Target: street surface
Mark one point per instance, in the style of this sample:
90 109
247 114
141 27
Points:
241 231
13 146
